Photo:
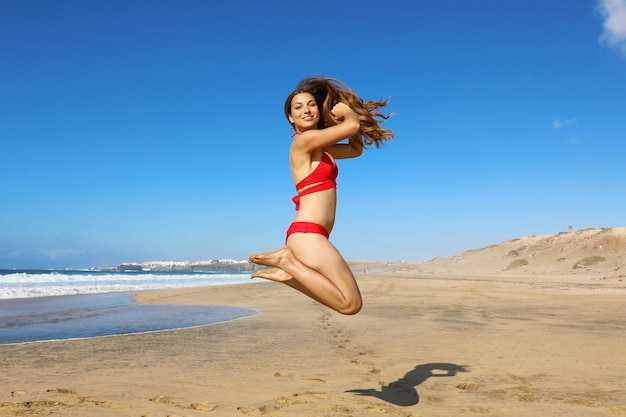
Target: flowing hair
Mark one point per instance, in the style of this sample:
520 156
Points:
328 92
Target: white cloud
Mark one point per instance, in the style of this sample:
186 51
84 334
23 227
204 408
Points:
614 33
558 123
57 254
15 254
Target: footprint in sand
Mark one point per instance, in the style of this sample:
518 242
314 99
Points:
467 386
161 399
246 410
60 391
199 406
315 394
282 401
317 380
203 406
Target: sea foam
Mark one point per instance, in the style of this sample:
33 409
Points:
40 283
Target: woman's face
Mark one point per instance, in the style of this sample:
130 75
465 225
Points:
305 115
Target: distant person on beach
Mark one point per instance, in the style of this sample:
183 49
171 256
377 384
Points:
323 112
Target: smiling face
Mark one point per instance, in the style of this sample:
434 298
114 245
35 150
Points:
304 114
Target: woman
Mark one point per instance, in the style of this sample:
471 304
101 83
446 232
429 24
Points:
323 112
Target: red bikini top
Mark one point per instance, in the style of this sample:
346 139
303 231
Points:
323 176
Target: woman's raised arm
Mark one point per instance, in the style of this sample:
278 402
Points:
347 127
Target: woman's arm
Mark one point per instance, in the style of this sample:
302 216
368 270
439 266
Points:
347 127
352 149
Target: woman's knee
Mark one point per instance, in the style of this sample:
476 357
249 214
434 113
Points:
351 306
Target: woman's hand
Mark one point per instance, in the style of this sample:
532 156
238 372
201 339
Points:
341 110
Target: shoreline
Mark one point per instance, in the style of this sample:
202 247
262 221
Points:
86 316
422 345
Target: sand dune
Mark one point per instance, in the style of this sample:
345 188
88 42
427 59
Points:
595 251
600 252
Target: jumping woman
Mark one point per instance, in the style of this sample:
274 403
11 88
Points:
323 112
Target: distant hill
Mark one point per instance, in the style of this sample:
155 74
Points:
590 251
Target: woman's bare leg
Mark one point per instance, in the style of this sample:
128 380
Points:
311 264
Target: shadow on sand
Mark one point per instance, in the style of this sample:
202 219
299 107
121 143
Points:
402 392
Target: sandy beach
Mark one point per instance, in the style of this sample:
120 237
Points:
449 342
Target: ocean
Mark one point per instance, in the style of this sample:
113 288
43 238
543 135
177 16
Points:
44 305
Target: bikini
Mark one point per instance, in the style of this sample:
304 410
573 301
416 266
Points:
322 178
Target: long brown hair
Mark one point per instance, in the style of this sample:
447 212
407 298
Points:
330 91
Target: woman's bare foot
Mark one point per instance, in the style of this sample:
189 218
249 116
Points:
274 274
274 259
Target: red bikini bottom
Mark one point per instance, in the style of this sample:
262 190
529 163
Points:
307 227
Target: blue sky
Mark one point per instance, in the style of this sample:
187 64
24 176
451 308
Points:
153 130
